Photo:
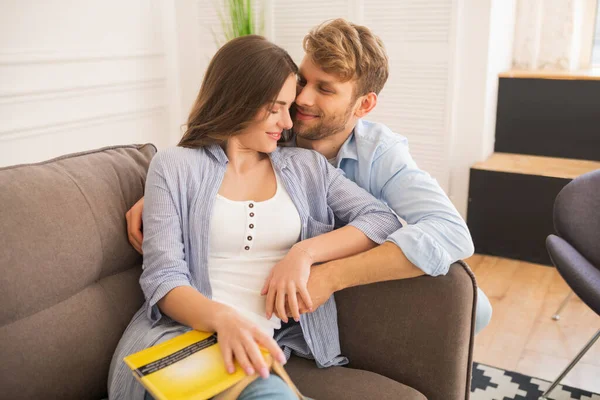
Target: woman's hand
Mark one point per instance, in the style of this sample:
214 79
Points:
240 339
288 278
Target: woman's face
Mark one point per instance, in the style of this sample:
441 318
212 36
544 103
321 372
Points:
262 135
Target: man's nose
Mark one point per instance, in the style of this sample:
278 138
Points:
304 96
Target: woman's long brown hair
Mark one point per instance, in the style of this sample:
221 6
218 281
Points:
245 74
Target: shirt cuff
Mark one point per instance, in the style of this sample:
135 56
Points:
153 312
376 227
421 250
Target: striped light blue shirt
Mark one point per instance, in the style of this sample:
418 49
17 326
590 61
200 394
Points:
180 191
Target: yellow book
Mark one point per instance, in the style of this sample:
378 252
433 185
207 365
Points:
189 366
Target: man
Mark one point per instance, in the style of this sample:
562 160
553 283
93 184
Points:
343 71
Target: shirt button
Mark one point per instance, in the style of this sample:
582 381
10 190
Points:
251 226
247 248
252 214
251 205
249 237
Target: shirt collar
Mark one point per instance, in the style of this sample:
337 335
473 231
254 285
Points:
219 154
348 149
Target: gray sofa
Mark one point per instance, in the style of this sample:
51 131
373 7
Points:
69 286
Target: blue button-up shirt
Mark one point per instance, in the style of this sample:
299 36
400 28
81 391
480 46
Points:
379 161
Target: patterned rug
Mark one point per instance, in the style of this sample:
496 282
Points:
491 383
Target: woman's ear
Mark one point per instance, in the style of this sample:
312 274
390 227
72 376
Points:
366 104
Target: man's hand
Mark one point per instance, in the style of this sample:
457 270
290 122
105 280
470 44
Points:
134 225
320 288
385 262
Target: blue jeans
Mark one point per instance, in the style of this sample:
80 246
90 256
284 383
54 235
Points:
483 311
272 388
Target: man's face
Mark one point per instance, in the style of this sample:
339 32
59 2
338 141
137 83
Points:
324 105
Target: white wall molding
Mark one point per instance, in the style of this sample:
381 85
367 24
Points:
16 57
70 125
75 76
78 91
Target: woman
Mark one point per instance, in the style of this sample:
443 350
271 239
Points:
227 207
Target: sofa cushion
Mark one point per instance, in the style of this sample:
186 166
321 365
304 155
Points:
68 276
345 383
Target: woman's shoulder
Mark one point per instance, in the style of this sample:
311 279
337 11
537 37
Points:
179 160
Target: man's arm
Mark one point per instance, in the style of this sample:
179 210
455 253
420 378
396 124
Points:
385 262
435 235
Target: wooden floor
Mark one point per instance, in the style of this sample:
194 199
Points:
522 337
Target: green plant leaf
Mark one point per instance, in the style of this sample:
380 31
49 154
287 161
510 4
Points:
237 19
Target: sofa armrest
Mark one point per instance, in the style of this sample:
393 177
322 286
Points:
416 331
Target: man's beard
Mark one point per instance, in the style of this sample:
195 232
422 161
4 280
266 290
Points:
326 126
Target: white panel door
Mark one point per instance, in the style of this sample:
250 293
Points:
416 101
292 20
419 39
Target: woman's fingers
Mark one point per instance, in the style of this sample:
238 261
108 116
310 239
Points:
227 358
270 302
293 302
265 288
305 297
256 358
240 355
303 309
280 304
270 344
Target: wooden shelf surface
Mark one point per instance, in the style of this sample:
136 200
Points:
584 75
537 165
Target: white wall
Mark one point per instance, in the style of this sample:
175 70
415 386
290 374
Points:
81 75
192 29
76 76
484 49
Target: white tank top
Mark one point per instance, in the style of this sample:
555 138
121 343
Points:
247 238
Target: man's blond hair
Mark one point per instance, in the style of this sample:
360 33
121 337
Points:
350 52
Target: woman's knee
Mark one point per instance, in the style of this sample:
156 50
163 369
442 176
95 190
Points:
266 389
483 312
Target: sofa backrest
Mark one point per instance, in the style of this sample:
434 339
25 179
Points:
68 276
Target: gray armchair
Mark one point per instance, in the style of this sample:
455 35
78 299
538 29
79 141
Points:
575 249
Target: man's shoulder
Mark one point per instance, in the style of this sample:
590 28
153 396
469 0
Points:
379 138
